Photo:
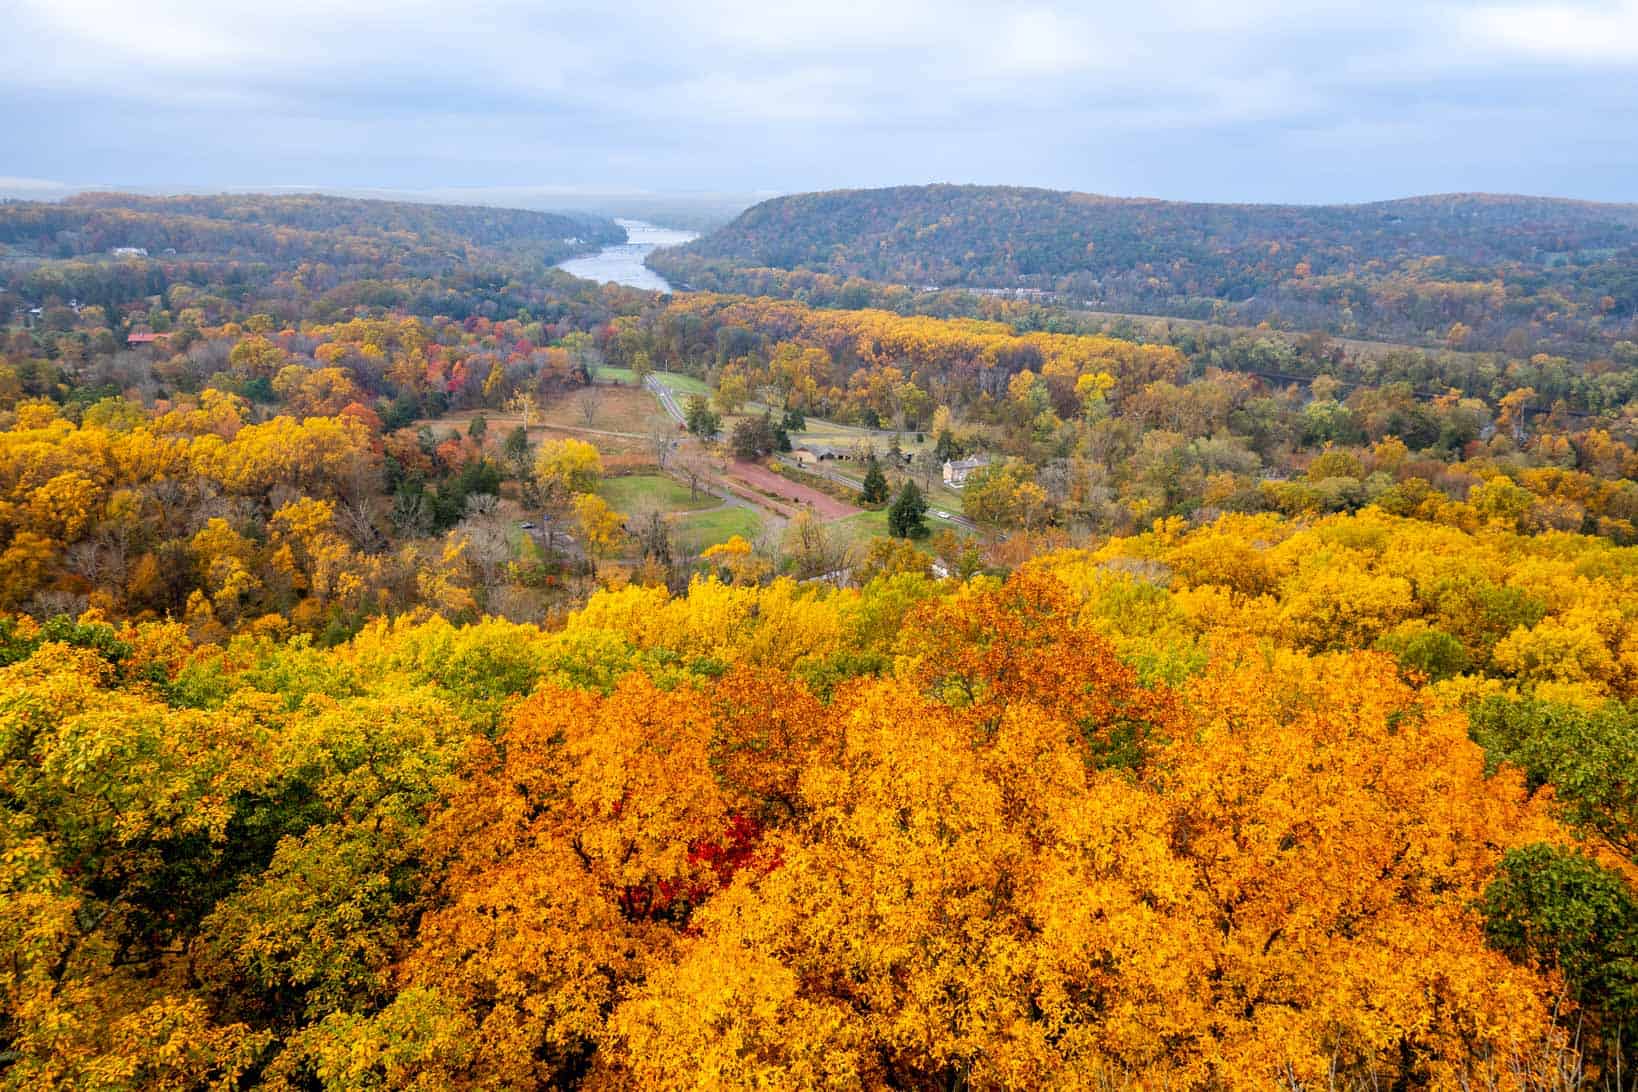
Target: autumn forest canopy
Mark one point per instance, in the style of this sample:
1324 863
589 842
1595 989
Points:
1215 667
1512 271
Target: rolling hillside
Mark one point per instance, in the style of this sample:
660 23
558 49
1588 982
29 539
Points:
1563 272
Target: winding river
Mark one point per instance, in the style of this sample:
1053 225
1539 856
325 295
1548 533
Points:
623 264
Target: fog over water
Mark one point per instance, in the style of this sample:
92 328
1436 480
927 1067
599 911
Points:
623 264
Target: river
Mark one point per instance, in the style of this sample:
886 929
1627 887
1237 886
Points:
623 264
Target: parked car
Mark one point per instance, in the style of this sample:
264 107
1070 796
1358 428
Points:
527 526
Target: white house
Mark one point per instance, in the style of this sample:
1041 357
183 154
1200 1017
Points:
957 471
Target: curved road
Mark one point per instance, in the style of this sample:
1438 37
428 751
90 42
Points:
668 401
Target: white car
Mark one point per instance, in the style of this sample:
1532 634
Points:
939 513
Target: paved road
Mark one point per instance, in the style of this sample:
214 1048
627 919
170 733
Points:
668 401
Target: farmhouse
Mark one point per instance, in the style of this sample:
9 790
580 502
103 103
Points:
956 471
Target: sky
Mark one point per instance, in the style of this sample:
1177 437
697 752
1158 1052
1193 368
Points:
1220 100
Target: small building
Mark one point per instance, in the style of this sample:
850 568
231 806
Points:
957 471
130 252
144 338
808 454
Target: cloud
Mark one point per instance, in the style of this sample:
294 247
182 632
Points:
1181 97
1575 33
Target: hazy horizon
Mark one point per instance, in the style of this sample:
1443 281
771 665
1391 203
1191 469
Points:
1178 100
638 204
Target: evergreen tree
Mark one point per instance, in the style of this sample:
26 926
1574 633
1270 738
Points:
516 449
906 517
700 418
875 484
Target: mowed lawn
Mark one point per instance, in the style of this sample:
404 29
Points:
700 530
678 382
642 492
868 525
681 384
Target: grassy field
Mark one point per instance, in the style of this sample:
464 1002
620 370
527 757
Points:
869 525
702 529
831 434
636 492
682 384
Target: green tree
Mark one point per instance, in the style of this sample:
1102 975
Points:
700 418
1589 756
516 450
907 516
875 485
1552 905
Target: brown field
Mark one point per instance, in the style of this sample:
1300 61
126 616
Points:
618 409
620 427
762 480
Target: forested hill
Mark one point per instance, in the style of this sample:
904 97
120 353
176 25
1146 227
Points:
244 224
1565 272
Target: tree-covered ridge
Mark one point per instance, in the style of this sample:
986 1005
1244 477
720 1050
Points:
1074 828
311 226
1564 271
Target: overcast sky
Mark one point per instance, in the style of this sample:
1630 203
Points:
1199 99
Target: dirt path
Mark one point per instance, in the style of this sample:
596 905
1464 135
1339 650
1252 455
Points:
760 478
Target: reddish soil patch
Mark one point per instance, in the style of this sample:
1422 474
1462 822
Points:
762 480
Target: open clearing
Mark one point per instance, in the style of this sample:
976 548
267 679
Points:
700 530
678 382
614 409
869 525
638 492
